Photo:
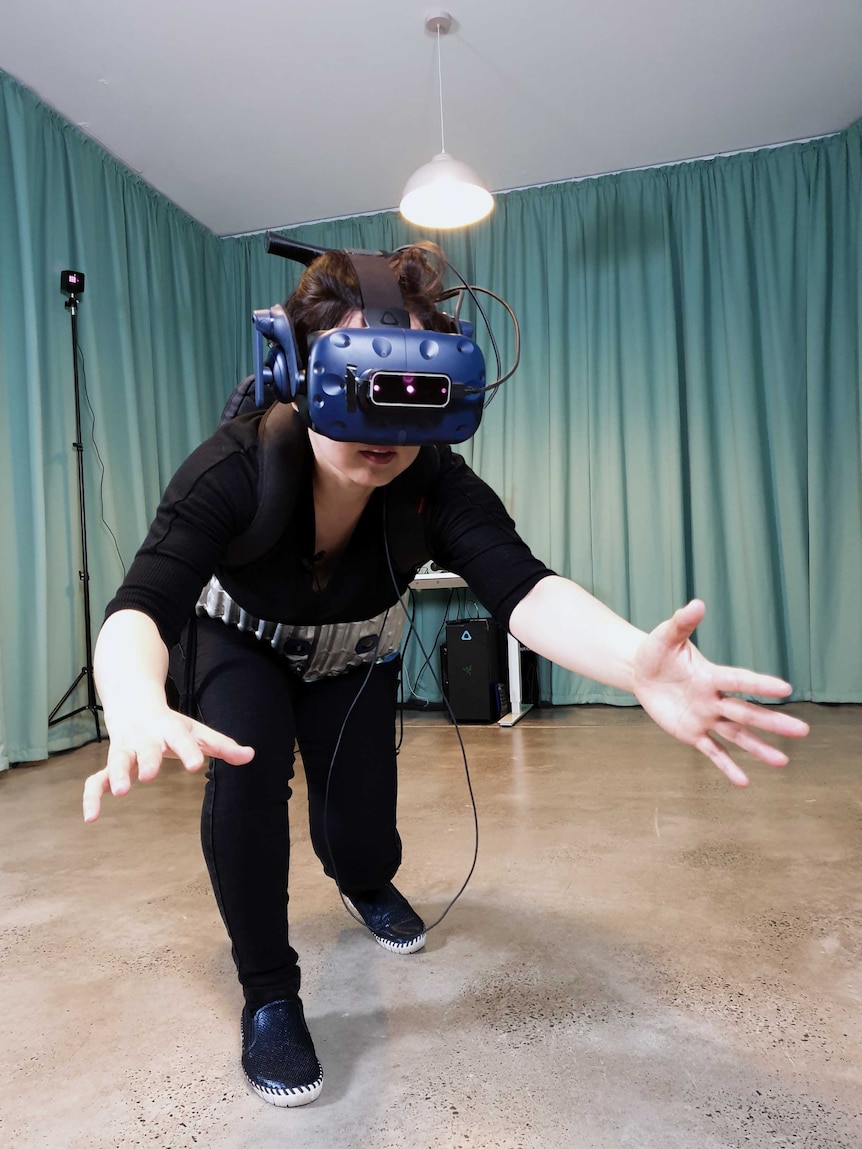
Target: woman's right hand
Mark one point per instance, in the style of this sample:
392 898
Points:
139 743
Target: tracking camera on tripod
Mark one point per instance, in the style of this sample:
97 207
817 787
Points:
72 286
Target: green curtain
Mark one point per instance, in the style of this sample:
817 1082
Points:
685 420
153 360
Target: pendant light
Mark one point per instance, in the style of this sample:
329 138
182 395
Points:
444 193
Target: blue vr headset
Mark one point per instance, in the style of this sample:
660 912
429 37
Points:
382 384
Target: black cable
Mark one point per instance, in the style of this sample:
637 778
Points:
101 461
401 700
428 657
339 739
400 739
454 721
471 290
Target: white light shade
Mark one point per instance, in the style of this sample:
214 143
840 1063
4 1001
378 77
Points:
445 193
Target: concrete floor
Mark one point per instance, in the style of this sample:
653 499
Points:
645 956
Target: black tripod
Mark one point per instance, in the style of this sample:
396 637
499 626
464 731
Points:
72 285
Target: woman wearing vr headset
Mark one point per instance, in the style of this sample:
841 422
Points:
276 661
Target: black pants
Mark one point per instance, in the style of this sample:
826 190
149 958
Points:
245 690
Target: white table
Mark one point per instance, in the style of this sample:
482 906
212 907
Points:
445 580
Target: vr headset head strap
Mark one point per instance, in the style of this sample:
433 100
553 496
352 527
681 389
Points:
382 303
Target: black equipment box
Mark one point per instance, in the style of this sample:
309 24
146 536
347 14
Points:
475 676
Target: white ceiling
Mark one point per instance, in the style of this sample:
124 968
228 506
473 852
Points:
266 113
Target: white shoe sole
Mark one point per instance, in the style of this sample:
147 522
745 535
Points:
288 1098
401 948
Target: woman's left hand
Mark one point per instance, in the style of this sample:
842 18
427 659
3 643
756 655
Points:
687 695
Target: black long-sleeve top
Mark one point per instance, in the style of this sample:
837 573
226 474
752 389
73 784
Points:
213 498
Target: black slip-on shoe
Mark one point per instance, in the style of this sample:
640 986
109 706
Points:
390 917
278 1054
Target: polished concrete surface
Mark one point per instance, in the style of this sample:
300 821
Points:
645 957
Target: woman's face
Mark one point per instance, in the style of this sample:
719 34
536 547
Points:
360 464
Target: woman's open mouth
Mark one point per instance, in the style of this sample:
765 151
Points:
379 457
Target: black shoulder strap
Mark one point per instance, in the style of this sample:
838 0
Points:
241 400
282 452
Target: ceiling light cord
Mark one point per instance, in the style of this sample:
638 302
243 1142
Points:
440 89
